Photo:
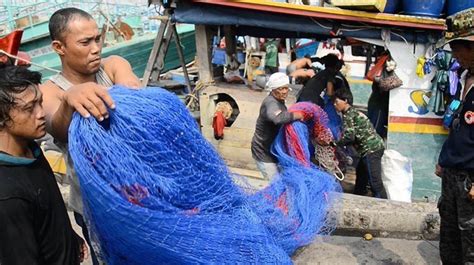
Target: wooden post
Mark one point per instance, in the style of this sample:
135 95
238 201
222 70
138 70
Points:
181 58
156 61
230 43
203 51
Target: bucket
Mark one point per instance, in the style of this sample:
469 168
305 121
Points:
455 6
425 8
261 81
392 6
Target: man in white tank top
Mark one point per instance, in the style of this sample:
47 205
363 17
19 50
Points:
81 86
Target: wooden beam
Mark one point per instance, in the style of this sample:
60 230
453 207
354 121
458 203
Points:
179 49
154 53
203 52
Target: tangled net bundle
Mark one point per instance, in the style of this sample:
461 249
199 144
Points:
157 192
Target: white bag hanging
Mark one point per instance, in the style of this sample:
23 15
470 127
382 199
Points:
397 176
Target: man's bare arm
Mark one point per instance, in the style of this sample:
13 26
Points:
58 114
120 71
330 89
87 99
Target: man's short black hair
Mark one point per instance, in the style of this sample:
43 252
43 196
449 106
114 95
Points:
59 21
332 61
344 94
13 80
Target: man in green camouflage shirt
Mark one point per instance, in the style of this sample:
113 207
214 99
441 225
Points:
358 130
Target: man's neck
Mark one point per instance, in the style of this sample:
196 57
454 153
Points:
77 78
345 110
276 97
14 146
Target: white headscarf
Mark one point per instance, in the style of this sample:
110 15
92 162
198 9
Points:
277 80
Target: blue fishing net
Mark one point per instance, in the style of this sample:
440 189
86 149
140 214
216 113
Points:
335 121
157 192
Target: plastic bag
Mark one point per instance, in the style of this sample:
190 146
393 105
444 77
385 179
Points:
378 68
397 176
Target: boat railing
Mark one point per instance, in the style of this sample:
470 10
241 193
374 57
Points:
28 16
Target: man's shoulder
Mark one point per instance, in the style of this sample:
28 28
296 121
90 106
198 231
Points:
360 116
269 100
12 183
48 85
355 114
112 60
112 63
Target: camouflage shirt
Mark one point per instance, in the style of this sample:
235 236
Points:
358 130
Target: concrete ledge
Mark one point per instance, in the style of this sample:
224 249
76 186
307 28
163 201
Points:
357 215
335 250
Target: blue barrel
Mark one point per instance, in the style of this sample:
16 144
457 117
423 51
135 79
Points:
392 6
425 8
455 6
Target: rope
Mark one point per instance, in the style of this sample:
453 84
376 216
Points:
193 98
327 159
29 62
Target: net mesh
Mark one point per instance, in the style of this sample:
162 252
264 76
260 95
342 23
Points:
156 191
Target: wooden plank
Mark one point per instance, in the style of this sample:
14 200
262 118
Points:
248 102
181 58
242 164
154 53
244 136
237 144
160 58
241 157
203 52
246 172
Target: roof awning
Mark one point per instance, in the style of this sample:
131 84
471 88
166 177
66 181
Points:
273 19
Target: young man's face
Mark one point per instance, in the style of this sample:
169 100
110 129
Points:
27 116
340 105
82 46
280 93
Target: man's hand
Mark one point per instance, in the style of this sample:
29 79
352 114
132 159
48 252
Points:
89 99
298 115
438 170
83 250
